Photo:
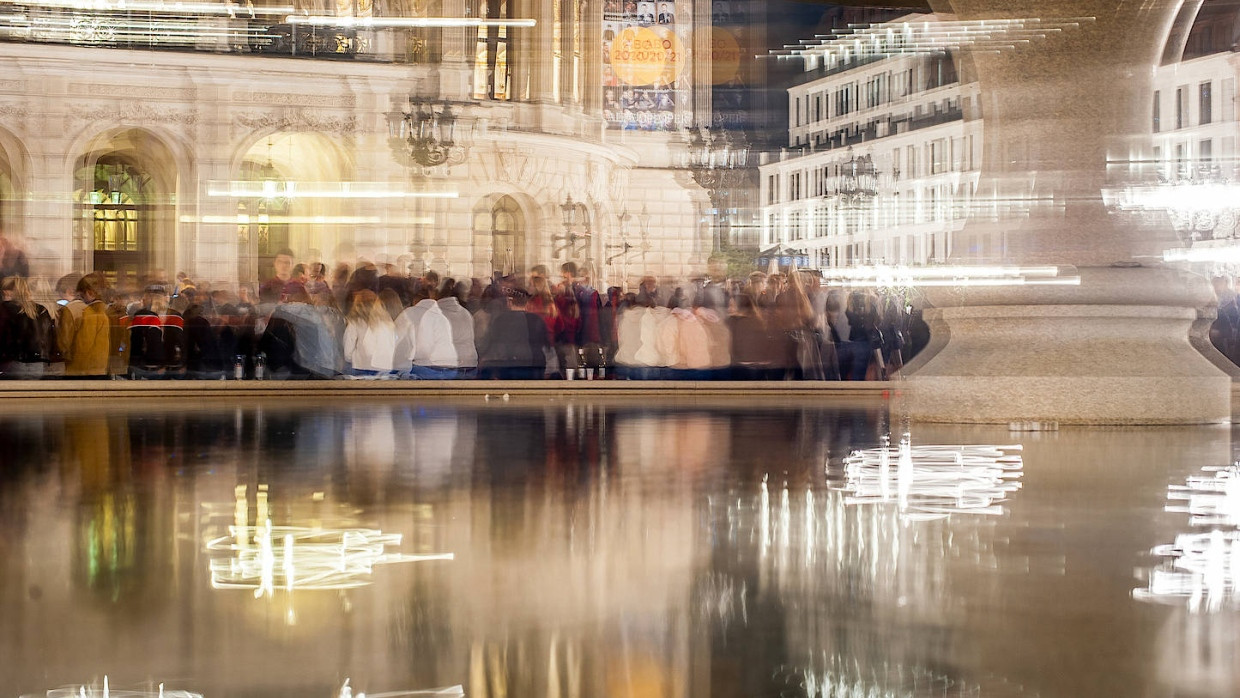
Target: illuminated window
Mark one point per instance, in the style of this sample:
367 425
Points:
492 67
578 63
557 46
114 201
1205 103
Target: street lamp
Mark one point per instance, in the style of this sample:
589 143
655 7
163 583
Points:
425 135
574 214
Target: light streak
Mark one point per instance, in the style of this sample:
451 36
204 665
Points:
458 691
886 276
244 219
1209 500
1201 569
933 482
106 691
404 22
1229 254
188 8
861 41
272 189
303 558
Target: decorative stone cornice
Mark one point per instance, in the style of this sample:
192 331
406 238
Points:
136 113
296 120
293 99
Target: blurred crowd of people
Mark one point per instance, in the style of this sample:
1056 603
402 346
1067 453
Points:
377 322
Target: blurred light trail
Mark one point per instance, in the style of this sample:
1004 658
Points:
933 482
264 558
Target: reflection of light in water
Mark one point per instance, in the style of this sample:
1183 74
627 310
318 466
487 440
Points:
844 677
93 691
931 482
1212 500
1202 569
346 691
267 557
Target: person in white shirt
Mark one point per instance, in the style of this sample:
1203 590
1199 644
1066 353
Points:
369 338
426 334
462 333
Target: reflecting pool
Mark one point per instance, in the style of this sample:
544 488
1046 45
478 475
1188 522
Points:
531 547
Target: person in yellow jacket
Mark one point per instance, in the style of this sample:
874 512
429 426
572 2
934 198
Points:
87 334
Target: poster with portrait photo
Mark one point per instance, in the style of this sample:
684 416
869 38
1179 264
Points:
666 13
645 13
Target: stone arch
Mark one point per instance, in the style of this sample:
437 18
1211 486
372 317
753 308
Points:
506 233
14 183
314 228
126 184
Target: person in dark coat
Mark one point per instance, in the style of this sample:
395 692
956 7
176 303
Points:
514 345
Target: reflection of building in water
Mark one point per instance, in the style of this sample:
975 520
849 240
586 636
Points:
885 146
1199 654
867 596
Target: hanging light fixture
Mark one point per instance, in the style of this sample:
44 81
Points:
857 181
425 135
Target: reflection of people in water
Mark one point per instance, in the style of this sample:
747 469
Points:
666 16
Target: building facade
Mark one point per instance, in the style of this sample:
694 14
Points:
911 119
207 143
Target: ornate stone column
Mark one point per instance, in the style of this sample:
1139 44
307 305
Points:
1115 349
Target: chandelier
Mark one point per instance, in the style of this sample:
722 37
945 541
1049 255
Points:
425 134
718 161
856 181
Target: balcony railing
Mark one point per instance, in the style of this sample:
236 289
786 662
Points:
226 28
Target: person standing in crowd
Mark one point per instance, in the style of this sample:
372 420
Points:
515 343
589 337
204 357
27 333
281 274
369 337
426 332
13 260
569 325
88 336
462 329
146 336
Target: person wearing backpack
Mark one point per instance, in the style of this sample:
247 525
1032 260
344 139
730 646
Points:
27 333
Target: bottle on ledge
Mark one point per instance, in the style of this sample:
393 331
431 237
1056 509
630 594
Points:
260 367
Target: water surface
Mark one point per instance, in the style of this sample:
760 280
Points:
624 548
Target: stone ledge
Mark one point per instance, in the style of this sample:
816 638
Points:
62 389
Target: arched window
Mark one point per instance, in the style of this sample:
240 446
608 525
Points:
114 203
507 237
